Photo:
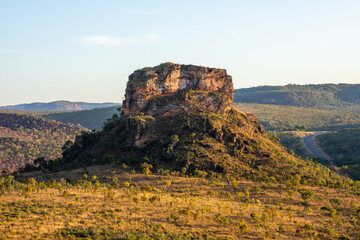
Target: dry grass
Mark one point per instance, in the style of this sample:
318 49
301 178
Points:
133 206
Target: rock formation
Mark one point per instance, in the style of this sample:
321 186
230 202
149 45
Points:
177 117
173 88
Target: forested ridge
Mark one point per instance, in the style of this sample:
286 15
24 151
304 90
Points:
279 117
24 138
58 106
321 96
91 119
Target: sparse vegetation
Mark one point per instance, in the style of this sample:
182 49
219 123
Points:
93 206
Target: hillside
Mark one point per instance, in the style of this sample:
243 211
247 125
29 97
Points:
321 96
280 117
90 119
24 138
58 106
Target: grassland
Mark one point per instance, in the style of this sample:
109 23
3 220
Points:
104 202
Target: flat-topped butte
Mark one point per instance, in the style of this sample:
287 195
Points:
170 89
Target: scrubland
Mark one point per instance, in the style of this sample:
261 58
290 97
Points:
107 202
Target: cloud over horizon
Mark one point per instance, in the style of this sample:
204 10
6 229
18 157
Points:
151 11
16 51
104 40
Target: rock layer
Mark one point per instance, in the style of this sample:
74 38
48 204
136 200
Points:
173 88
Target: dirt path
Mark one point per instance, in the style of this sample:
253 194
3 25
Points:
311 143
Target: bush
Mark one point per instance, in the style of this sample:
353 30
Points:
336 202
146 168
306 194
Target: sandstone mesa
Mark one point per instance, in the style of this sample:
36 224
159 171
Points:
170 89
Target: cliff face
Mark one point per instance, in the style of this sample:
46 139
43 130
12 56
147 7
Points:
173 88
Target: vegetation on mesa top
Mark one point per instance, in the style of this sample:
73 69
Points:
161 65
24 138
58 106
322 96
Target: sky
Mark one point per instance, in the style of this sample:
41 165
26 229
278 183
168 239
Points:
84 50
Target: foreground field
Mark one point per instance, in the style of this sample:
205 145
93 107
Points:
106 203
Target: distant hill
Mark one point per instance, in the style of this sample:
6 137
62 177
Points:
58 106
321 96
91 119
24 138
281 117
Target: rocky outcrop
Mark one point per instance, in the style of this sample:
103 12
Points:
173 88
177 117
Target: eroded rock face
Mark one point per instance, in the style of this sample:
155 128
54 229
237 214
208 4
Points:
170 89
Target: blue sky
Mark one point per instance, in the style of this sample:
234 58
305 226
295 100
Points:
84 50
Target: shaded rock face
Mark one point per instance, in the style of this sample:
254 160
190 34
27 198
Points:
139 133
169 89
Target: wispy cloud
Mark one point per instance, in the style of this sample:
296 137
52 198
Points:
151 11
16 51
121 41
